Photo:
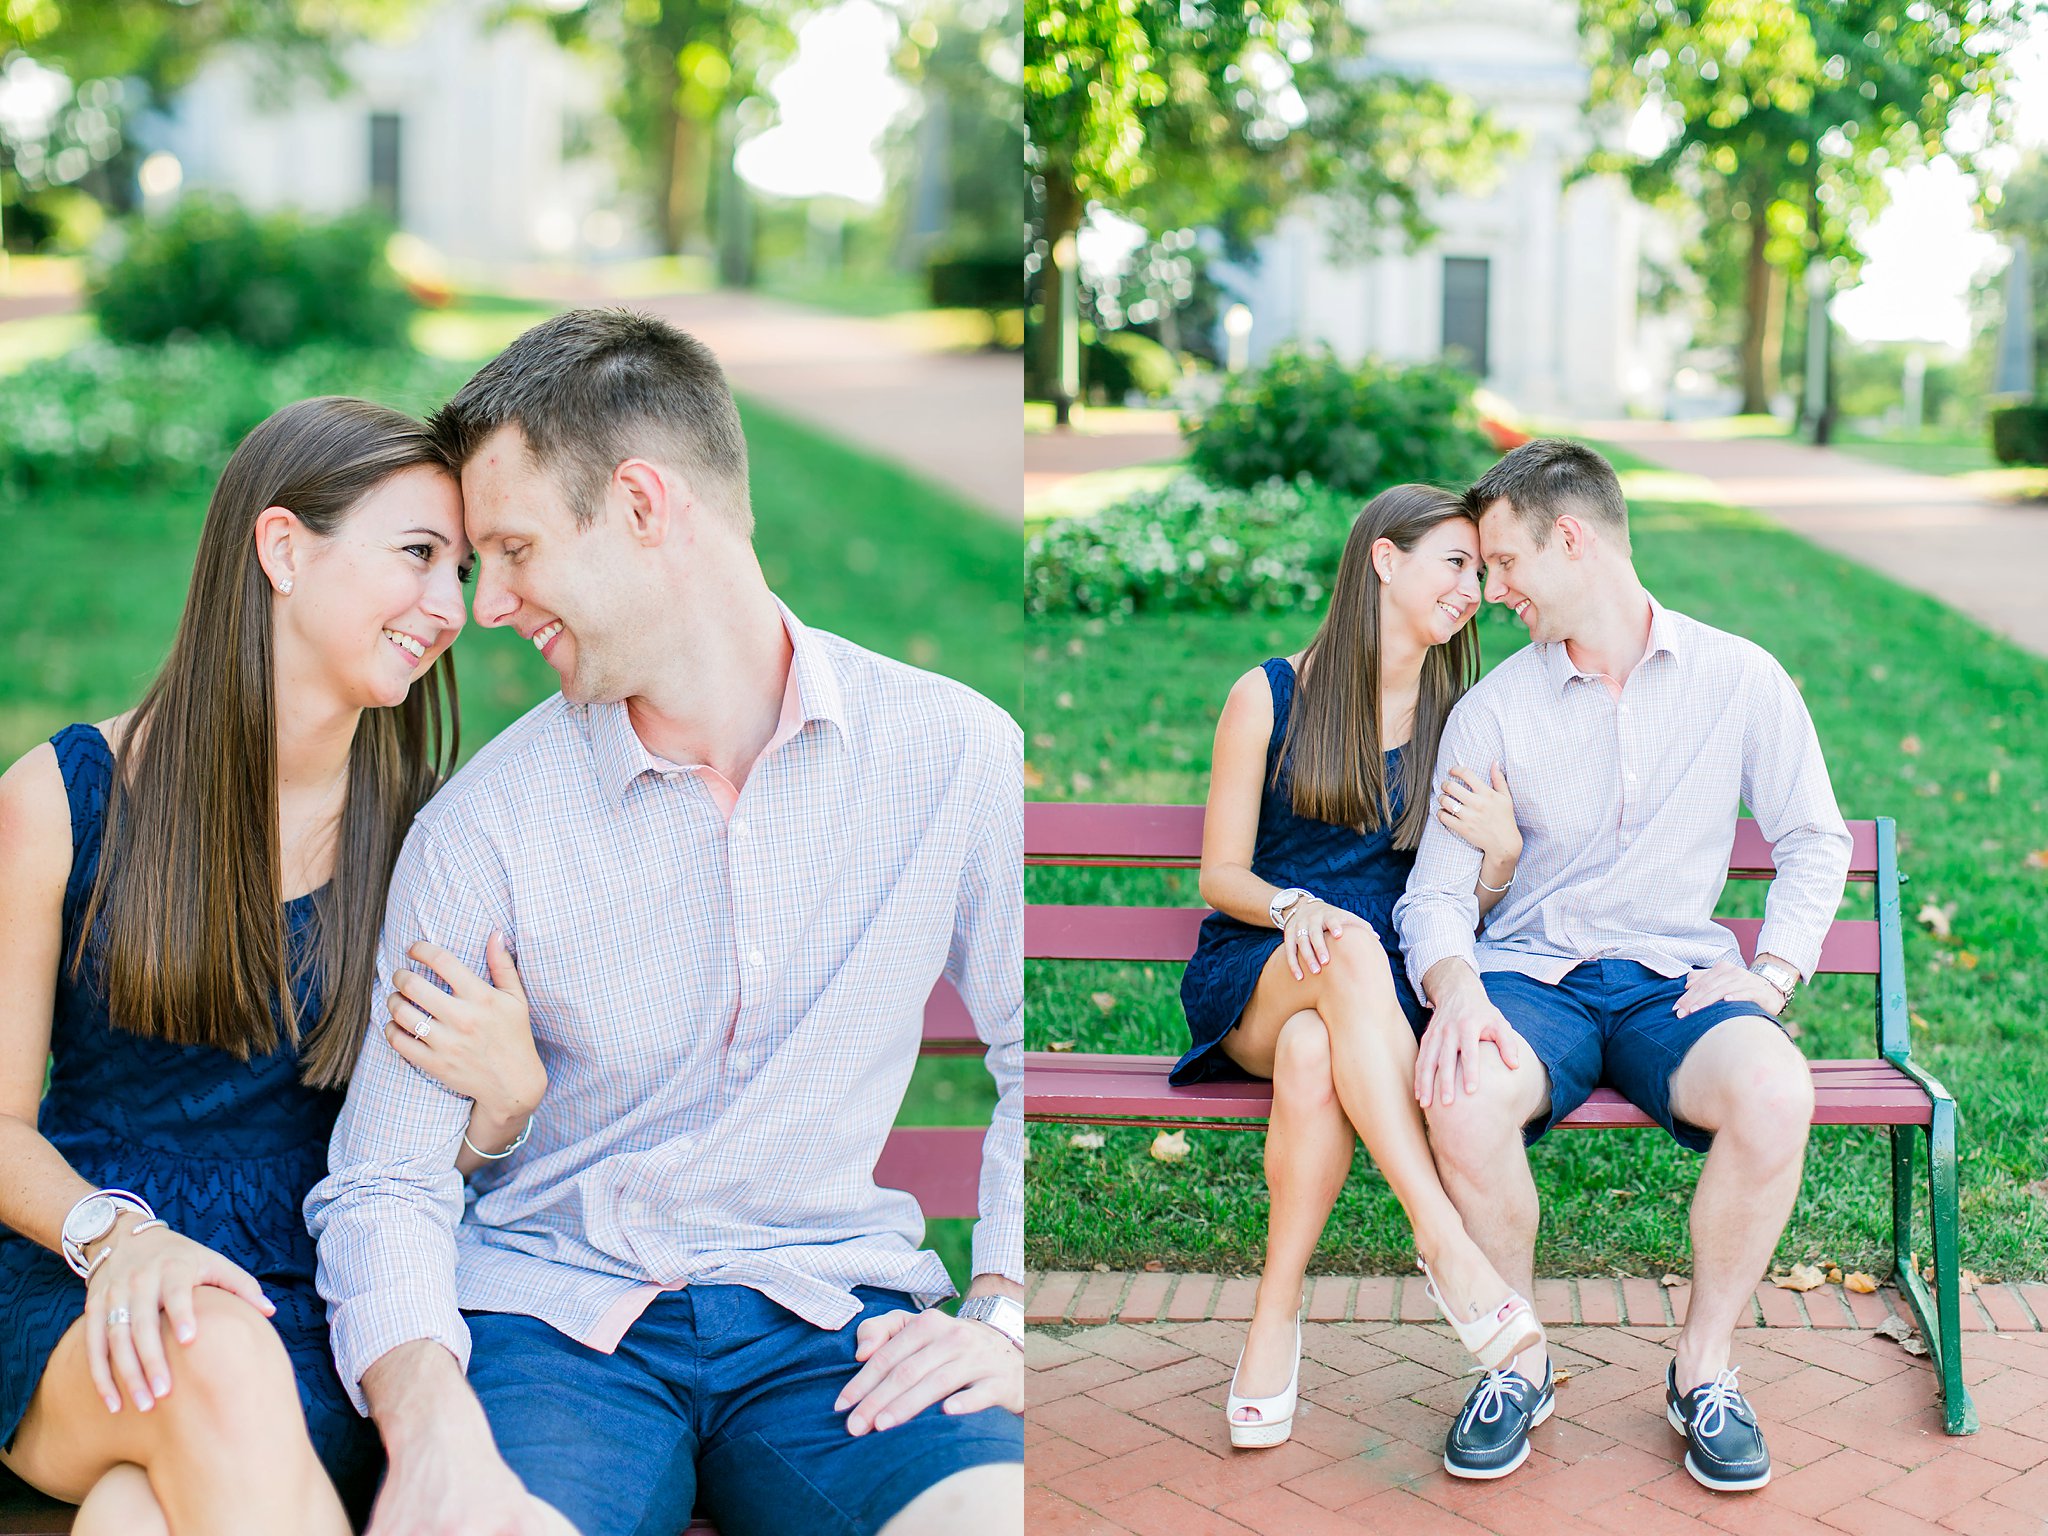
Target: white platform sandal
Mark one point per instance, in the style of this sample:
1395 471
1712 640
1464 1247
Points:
1494 1337
1275 1421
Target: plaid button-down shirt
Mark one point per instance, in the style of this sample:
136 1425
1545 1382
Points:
729 1011
1627 808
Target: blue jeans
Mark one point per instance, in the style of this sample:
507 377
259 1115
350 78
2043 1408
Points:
1609 1024
717 1399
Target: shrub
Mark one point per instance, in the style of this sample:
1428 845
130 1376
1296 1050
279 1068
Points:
1192 545
990 281
1356 429
271 281
2019 434
142 415
1121 363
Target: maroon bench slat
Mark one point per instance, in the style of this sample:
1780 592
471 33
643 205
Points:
1168 934
1132 1090
948 1027
940 1164
1056 833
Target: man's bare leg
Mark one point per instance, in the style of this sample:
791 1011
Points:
989 1501
1477 1139
1748 1084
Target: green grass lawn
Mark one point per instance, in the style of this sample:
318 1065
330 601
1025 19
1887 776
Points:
93 584
1924 717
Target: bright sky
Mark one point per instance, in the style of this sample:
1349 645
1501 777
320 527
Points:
1925 250
835 99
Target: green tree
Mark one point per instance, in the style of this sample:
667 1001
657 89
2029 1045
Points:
1222 113
1785 114
685 66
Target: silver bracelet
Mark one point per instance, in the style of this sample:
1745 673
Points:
1493 890
496 1156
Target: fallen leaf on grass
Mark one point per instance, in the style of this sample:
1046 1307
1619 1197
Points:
1914 1347
1991 781
1936 919
1968 1281
1910 745
1860 1283
2038 859
1103 1000
1060 1045
1895 1328
1087 1141
1918 1022
1834 1275
1559 1377
1033 779
1102 1269
1153 1266
1670 1280
1801 1277
1170 1146
1966 959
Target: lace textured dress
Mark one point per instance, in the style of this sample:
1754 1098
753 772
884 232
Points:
1362 872
224 1149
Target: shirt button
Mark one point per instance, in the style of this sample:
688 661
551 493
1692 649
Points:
754 957
739 826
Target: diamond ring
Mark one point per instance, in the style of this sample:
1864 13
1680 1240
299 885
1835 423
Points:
117 1317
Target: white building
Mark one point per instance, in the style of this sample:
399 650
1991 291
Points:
476 137
1533 281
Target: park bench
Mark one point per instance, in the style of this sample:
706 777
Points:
941 1165
1890 1089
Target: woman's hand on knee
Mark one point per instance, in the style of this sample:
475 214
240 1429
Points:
139 1281
1311 928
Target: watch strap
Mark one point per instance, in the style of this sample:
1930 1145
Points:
1002 1313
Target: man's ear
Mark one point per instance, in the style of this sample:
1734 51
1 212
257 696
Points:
650 502
1578 541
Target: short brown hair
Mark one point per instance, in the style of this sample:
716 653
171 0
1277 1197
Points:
594 387
1548 477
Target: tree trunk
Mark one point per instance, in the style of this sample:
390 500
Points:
1062 222
1756 314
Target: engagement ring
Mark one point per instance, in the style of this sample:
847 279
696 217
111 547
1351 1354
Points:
117 1317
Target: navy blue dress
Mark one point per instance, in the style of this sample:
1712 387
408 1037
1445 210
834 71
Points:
1362 873
225 1150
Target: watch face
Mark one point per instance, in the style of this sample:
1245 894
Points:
90 1219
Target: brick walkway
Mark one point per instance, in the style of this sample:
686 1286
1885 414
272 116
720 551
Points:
1128 1372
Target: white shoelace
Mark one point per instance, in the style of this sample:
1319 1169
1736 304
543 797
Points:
1720 1396
1491 1400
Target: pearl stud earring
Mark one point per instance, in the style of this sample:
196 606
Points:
285 587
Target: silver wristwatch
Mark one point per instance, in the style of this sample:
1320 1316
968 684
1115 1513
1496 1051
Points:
92 1219
1284 903
1782 977
1001 1313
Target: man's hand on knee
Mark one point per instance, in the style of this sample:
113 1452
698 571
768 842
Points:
914 1359
1448 1057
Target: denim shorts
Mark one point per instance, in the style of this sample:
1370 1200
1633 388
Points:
718 1400
1609 1024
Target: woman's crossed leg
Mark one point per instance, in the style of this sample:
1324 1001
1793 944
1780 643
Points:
224 1452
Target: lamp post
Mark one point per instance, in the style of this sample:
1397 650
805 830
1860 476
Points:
1066 262
1237 328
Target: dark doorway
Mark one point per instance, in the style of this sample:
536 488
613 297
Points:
1466 279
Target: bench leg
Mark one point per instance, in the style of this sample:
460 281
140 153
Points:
1939 1314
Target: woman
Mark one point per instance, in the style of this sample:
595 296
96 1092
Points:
190 897
1319 792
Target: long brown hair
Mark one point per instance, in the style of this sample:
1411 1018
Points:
192 947
1332 746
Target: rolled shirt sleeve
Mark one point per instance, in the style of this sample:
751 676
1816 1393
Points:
985 963
1786 787
1438 913
384 1218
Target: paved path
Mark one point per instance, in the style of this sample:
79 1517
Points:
1110 441
1125 1428
949 415
1924 531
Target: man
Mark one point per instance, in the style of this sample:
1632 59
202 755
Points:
1629 735
732 857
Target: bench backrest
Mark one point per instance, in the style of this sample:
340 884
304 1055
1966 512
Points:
940 1164
1100 836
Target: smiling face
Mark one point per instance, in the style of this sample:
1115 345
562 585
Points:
1432 589
568 589
1540 585
376 603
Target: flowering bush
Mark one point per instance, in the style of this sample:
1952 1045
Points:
145 415
1193 545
